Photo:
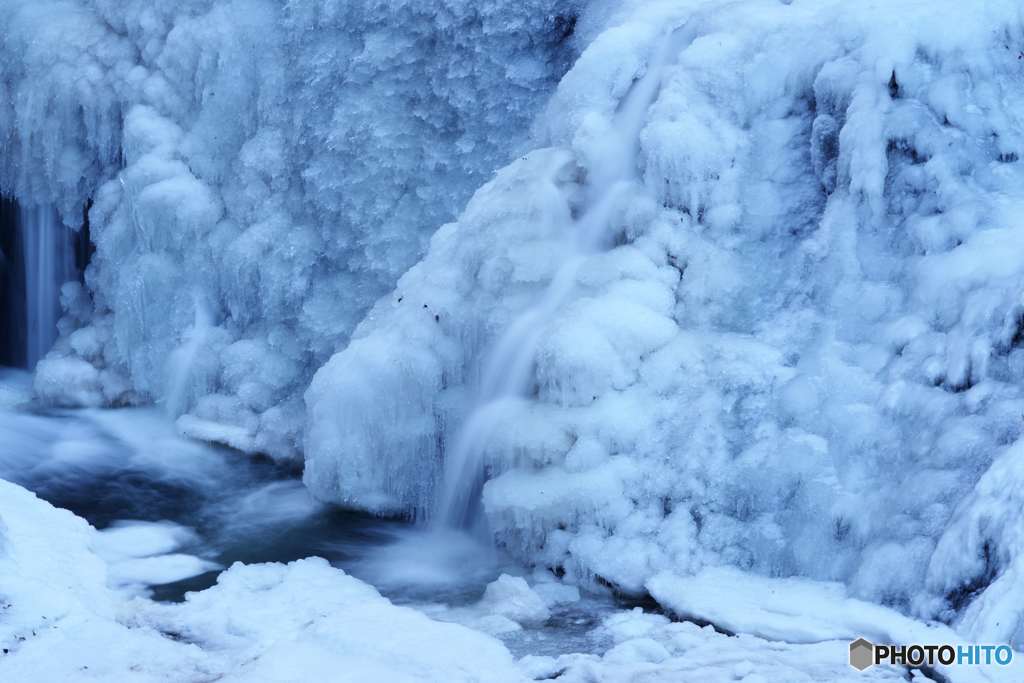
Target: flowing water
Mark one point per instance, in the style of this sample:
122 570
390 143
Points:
508 368
48 254
174 513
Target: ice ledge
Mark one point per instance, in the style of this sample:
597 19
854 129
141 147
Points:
796 610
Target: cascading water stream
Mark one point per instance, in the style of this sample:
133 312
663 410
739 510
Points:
508 368
182 361
48 254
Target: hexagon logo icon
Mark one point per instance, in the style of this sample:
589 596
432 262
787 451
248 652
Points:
862 654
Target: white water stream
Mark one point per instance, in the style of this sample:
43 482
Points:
49 258
509 367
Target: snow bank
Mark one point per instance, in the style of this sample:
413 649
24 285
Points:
302 621
799 354
311 621
259 174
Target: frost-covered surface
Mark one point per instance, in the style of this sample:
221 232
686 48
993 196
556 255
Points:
272 622
798 611
261 173
650 648
802 351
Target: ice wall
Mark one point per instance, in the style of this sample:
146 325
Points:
261 170
800 355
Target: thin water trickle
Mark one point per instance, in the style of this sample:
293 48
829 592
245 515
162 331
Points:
508 368
49 258
181 363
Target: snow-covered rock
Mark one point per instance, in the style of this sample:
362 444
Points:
512 598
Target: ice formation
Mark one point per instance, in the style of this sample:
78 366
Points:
308 621
795 349
801 351
258 174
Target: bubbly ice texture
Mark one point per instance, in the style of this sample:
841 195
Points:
260 173
801 354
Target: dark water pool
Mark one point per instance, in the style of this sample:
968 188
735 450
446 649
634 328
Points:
113 467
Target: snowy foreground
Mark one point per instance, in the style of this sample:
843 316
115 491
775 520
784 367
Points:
60 621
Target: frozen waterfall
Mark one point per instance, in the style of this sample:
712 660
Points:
509 367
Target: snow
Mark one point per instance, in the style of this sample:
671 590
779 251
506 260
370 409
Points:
140 554
333 625
793 347
649 647
512 598
797 611
270 622
67 598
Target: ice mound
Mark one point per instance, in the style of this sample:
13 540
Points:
512 598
